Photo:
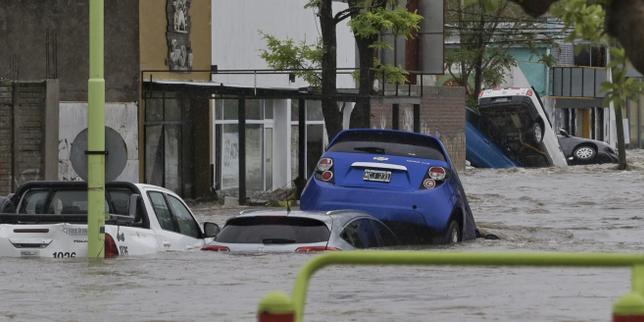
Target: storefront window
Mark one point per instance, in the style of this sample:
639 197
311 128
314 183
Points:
259 142
268 158
254 178
294 148
219 109
230 109
314 111
295 110
229 156
253 110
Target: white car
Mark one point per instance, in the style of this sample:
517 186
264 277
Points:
515 120
49 219
270 230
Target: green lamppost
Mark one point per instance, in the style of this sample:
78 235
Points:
96 134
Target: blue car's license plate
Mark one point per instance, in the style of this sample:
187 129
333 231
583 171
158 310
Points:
376 175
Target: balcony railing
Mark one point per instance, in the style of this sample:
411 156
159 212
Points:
576 81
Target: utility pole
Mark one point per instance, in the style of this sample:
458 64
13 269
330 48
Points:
96 134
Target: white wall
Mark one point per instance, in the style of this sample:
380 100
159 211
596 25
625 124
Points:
236 38
122 117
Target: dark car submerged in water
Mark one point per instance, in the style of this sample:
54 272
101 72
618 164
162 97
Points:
585 151
404 179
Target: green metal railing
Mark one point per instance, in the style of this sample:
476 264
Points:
630 305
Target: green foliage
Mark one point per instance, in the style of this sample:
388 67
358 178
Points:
621 88
312 4
487 30
377 18
373 19
392 74
548 60
289 55
398 21
499 63
584 20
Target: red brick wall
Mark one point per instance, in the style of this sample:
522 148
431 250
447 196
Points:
442 114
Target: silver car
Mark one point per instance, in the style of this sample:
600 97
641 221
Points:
273 230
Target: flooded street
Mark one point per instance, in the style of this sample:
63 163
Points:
582 208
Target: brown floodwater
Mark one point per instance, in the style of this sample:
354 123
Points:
582 208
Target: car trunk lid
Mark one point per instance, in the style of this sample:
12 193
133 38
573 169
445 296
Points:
379 171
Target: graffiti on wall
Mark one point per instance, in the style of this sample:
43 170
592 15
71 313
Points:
178 35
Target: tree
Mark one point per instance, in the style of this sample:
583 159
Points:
487 30
369 19
307 59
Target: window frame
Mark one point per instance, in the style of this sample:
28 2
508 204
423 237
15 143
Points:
195 224
173 215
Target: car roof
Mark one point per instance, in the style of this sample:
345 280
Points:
348 132
341 216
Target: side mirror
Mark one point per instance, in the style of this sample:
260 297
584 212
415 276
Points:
210 229
563 132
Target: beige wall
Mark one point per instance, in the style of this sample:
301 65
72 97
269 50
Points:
153 48
153 43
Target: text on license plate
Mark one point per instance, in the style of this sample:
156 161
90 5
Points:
376 175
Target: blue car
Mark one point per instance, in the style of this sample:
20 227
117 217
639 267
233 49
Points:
405 179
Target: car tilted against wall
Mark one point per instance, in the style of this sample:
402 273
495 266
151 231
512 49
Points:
49 219
404 179
514 119
269 230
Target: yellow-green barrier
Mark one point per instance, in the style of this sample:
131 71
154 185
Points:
627 308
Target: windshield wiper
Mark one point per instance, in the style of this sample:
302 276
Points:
370 149
277 241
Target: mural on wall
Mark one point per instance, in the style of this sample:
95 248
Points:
178 35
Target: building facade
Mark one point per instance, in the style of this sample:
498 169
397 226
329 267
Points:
45 45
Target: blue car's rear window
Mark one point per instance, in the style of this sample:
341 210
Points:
386 143
273 230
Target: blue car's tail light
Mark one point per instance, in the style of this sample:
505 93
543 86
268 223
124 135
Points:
435 177
429 183
326 176
324 170
325 164
437 173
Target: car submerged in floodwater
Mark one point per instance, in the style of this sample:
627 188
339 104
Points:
580 150
514 119
269 230
49 219
404 179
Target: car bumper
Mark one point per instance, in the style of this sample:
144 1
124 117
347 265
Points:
607 157
429 208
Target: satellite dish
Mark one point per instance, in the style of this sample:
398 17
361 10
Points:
115 160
